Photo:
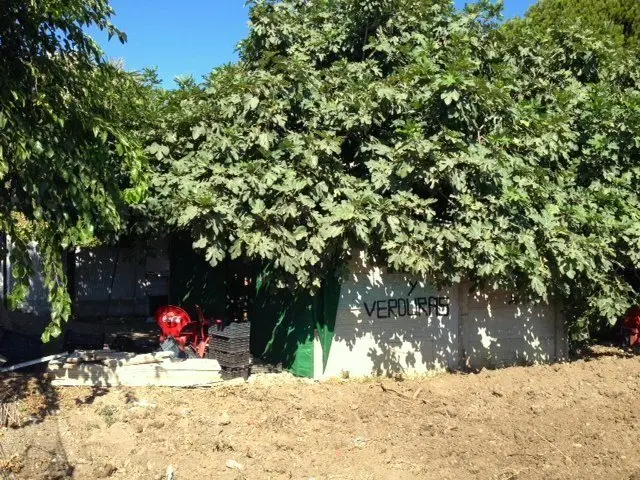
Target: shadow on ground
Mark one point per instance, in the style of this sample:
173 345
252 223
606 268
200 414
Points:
589 352
27 398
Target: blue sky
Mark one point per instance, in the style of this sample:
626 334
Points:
190 37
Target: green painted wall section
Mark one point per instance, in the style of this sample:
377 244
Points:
327 310
283 325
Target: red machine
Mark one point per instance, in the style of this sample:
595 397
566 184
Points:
631 327
190 336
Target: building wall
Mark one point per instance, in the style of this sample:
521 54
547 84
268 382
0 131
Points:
498 331
390 323
97 268
37 302
135 273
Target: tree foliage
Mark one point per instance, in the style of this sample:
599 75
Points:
618 19
437 140
69 155
166 117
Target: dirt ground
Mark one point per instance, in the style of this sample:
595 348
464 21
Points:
570 421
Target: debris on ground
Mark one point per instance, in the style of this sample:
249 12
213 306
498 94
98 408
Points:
30 363
234 465
359 442
170 473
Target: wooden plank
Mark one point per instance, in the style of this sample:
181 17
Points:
170 373
156 357
84 356
192 364
87 375
115 359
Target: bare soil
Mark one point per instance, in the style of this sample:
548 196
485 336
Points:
570 421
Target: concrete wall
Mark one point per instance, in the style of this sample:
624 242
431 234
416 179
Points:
37 302
498 331
135 273
390 322
97 268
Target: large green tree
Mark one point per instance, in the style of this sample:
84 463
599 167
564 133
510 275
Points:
69 151
618 19
439 141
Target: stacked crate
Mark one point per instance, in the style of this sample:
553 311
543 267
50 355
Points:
230 347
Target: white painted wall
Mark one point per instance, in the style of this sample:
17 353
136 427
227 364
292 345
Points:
370 339
498 331
478 328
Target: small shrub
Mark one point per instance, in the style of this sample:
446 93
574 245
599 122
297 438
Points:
109 414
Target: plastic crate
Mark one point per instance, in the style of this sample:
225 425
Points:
262 368
231 373
229 340
227 359
229 345
233 330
